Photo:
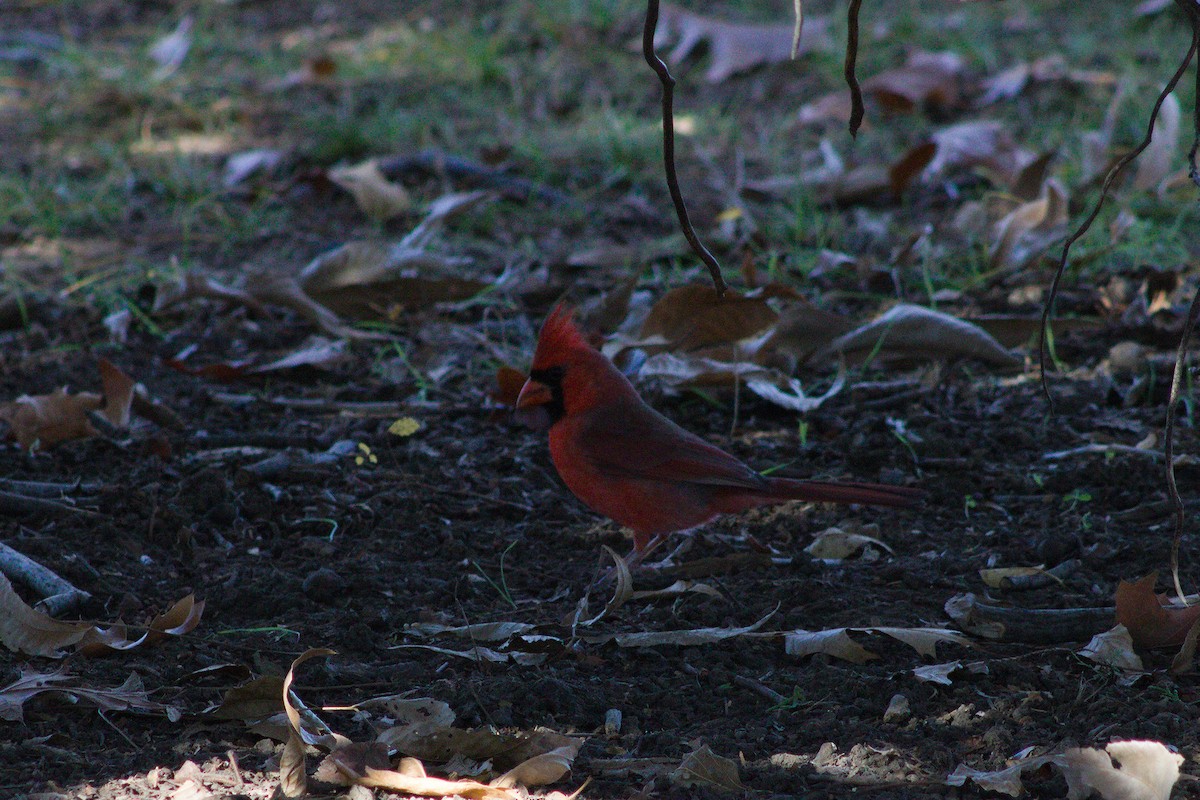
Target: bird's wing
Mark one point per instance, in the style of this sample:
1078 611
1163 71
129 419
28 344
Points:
632 440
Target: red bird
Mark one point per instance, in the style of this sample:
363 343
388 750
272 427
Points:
630 463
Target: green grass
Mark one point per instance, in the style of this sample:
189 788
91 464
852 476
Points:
107 151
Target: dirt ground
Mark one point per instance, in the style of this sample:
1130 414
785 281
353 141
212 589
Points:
465 521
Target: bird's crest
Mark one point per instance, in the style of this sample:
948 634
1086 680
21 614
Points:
559 336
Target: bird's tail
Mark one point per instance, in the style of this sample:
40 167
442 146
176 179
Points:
871 494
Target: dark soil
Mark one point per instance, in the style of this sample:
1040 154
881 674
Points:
466 521
345 556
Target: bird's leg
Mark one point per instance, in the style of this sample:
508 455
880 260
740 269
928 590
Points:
688 539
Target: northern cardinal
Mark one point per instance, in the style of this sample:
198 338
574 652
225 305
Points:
630 463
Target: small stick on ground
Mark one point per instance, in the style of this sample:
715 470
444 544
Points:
59 593
759 688
20 504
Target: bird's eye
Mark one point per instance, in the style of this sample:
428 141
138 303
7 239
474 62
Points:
551 376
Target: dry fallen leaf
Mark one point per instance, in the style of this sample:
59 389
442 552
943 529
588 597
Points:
835 544
736 47
695 317
1151 620
918 332
1001 577
835 642
1155 162
1005 781
1025 233
170 51
541 769
131 695
26 630
1113 648
376 196
690 637
703 767
1145 770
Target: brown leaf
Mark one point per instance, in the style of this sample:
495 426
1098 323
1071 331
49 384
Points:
257 699
695 317
703 767
26 630
129 695
47 419
370 280
735 47
926 79
293 781
376 196
918 332
1029 229
1150 619
509 383
181 618
910 165
541 769
977 143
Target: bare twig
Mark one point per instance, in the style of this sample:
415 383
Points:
759 688
1108 182
668 126
12 503
1193 12
59 593
856 99
1169 437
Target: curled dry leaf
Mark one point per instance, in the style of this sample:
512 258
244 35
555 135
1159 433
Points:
1156 161
1025 233
736 47
695 317
692 637
170 51
927 79
835 544
181 618
977 143
837 642
622 590
1113 648
1151 619
241 166
677 589
703 767
1001 577
192 285
254 700
479 632
1004 781
1145 770
26 630
131 695
541 769
918 332
423 786
376 196
44 420
675 372
293 781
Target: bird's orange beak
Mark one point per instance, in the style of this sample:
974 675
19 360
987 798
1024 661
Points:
534 393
